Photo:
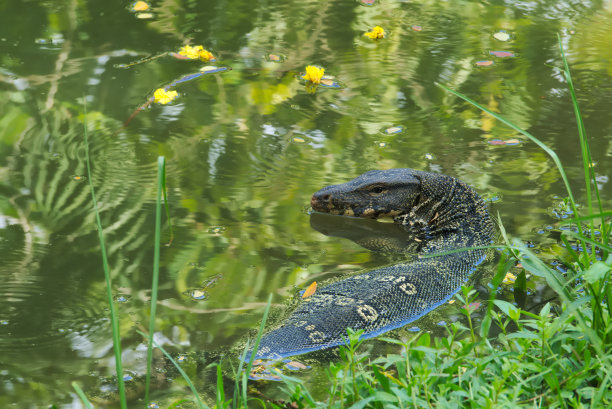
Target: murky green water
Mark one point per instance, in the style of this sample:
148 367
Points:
247 147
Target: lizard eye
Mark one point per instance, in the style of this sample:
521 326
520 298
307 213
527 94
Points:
377 190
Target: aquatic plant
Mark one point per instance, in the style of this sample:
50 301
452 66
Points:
196 53
377 33
314 74
161 96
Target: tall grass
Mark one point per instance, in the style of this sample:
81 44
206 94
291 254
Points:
109 290
161 183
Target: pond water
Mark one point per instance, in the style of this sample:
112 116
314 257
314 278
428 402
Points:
247 144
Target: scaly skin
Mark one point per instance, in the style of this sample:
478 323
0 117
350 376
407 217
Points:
438 212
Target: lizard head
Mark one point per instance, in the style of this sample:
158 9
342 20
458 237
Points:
377 193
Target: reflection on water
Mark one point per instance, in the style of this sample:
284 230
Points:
247 147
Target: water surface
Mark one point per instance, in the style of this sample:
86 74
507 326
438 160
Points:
247 147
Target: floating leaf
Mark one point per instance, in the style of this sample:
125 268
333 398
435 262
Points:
275 57
198 294
329 82
501 36
145 16
295 365
310 290
211 281
485 63
211 69
502 54
393 130
417 28
216 229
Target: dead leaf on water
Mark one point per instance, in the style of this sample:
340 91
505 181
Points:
295 366
310 290
502 54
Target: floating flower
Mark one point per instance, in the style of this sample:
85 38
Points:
509 279
140 6
376 33
314 74
162 96
195 53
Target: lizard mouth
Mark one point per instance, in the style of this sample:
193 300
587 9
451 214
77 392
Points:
322 203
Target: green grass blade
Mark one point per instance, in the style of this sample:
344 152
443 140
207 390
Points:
259 334
243 375
593 216
82 396
109 291
590 241
167 206
161 166
237 374
589 174
220 391
197 399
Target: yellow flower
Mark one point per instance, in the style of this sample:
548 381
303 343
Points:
140 6
197 52
314 74
162 96
376 33
509 279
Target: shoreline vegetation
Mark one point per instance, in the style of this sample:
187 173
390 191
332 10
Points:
557 357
